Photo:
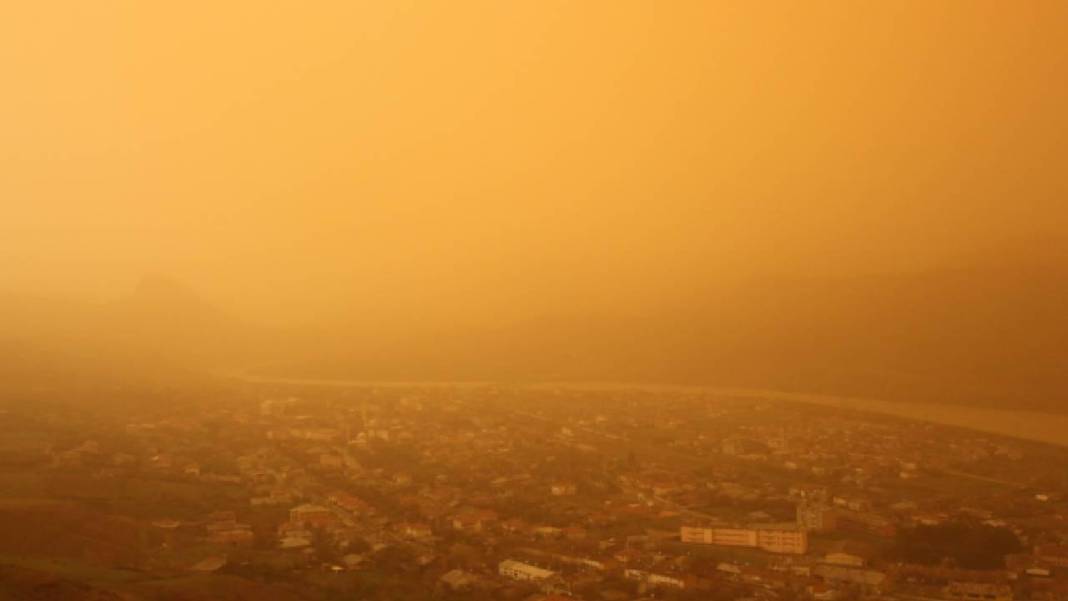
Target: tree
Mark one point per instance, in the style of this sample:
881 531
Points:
967 544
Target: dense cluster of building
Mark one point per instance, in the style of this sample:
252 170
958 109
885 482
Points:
590 494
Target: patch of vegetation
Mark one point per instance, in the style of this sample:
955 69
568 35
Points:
968 545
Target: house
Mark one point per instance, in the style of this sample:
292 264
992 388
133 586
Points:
575 533
415 530
815 516
222 516
1054 555
663 488
350 503
515 526
743 447
283 494
841 558
209 564
458 580
729 568
548 532
315 516
331 460
261 500
977 591
833 573
224 529
822 592
848 553
316 434
352 560
517 570
237 534
474 520
295 539
652 579
563 489
294 535
467 521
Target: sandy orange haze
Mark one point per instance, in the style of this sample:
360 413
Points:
482 162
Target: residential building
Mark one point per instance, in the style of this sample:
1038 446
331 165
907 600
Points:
653 579
771 538
563 489
312 515
978 591
517 570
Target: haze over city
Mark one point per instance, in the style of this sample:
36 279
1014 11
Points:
658 261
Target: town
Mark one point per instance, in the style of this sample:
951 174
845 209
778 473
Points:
528 493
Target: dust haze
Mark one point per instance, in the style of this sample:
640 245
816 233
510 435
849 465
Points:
407 179
502 300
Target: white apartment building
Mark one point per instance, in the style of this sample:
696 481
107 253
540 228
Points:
774 539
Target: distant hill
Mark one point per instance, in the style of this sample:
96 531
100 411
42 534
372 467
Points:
160 332
989 336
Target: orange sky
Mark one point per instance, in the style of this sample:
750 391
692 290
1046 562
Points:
302 161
